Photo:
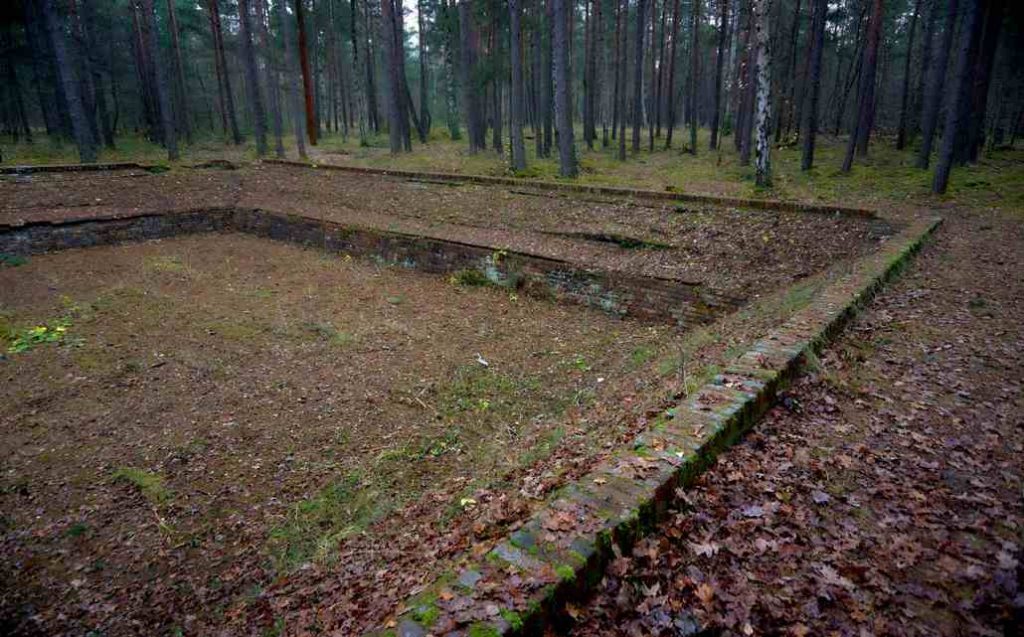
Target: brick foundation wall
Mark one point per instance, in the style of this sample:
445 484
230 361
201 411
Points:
646 298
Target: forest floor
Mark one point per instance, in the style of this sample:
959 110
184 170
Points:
885 180
884 496
218 410
182 456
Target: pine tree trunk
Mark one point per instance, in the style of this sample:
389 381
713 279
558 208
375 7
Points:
180 89
652 91
861 131
144 75
228 104
723 30
936 80
291 80
539 73
817 37
57 32
694 74
927 44
638 72
252 77
670 93
549 78
307 77
623 52
370 59
471 94
617 69
425 118
394 81
567 166
762 109
982 76
790 77
450 69
588 61
515 55
359 85
162 89
100 99
901 133
659 99
273 78
959 110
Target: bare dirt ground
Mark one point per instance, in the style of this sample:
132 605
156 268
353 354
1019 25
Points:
332 549
736 253
884 496
220 410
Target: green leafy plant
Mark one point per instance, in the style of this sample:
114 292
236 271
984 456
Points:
55 332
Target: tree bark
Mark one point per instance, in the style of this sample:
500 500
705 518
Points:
937 77
471 95
451 74
515 54
162 89
861 131
307 77
180 88
695 74
959 110
723 31
273 78
100 100
252 77
549 78
982 76
224 75
789 80
901 133
395 114
638 72
567 165
817 36
762 110
425 118
670 96
291 79
358 78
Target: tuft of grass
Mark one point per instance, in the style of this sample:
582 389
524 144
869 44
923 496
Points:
166 263
150 485
469 278
11 260
315 526
332 335
641 355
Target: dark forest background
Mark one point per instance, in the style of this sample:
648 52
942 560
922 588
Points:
941 78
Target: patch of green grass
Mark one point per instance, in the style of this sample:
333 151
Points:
641 355
77 530
23 340
469 278
165 263
235 330
150 485
327 332
11 260
315 526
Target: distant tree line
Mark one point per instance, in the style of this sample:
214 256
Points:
943 77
